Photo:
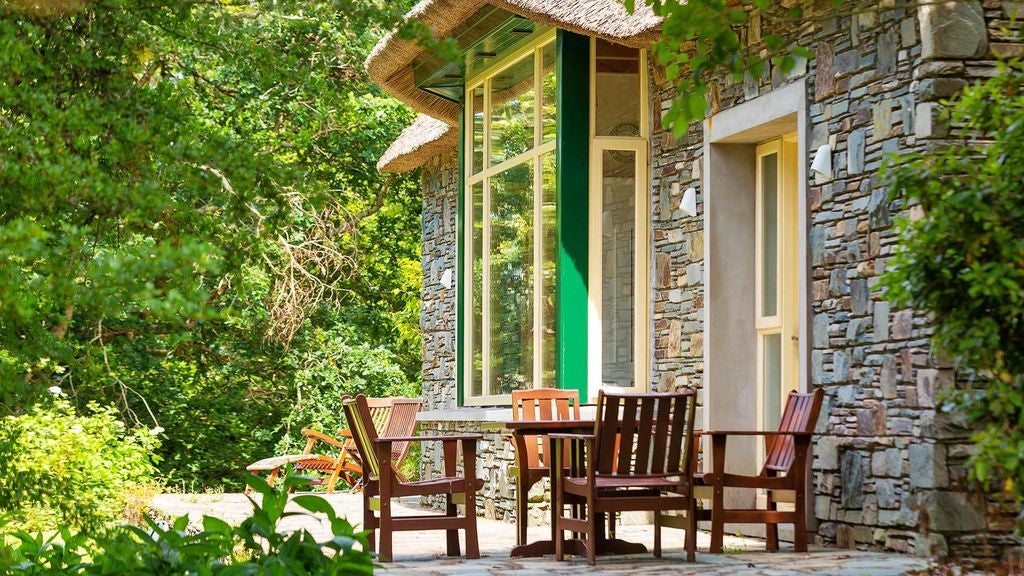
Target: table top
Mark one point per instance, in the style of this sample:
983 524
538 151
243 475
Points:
539 426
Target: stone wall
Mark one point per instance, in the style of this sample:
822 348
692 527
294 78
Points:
888 467
439 260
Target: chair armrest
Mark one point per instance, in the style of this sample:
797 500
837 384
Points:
445 438
345 433
322 437
799 434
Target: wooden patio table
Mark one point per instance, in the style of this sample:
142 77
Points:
520 429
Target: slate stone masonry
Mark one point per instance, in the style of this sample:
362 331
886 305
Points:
888 467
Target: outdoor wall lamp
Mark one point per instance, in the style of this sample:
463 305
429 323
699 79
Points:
821 164
689 201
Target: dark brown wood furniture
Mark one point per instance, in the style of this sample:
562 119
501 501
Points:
393 416
784 474
381 484
533 451
534 429
639 457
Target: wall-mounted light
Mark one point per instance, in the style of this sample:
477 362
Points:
689 201
821 164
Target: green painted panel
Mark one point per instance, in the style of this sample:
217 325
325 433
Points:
573 169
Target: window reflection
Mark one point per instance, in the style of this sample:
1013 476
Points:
511 289
512 111
617 88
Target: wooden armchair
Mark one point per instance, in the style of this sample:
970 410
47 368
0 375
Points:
638 458
533 452
783 476
381 484
395 416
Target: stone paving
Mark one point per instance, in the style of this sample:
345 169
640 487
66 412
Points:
422 553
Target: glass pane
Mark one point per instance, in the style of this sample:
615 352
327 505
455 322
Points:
772 379
477 97
476 322
618 247
511 282
549 249
550 87
769 234
512 111
617 90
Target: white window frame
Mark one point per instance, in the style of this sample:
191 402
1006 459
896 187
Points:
641 315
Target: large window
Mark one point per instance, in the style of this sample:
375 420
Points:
509 314
619 245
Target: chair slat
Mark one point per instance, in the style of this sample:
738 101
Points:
661 430
643 445
608 423
627 430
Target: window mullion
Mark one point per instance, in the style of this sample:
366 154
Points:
485 284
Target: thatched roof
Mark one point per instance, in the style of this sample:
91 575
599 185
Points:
390 63
425 138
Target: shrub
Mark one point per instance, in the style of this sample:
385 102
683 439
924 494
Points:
963 261
255 547
332 367
59 468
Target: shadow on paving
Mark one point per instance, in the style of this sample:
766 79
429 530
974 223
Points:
423 553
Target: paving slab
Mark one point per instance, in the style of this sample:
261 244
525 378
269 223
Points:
423 553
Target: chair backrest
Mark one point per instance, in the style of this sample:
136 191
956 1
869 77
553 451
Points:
380 410
401 422
644 434
543 404
360 422
800 415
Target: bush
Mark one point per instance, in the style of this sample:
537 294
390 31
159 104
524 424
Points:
330 368
253 548
962 260
62 469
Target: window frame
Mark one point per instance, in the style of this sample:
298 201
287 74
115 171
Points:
535 155
640 145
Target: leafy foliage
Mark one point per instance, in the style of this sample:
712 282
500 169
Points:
963 260
331 368
703 39
254 547
188 186
61 469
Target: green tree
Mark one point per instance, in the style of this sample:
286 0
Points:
962 260
185 187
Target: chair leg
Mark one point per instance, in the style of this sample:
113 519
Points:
332 480
593 519
472 541
657 534
385 554
611 525
717 520
522 517
452 536
800 525
370 523
771 531
691 531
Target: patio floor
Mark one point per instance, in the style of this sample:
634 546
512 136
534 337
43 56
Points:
422 553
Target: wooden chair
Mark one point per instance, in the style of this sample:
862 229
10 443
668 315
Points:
638 458
784 474
381 484
532 452
395 416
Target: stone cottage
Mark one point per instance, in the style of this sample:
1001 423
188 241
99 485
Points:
570 240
